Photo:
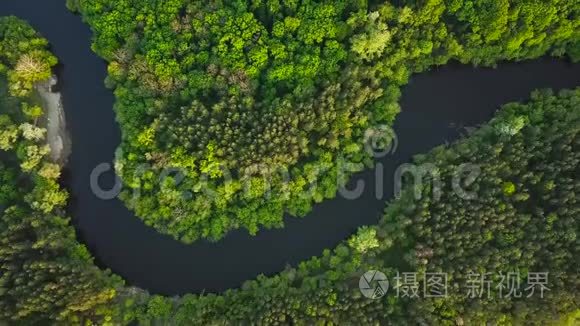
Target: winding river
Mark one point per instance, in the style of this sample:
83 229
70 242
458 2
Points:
435 105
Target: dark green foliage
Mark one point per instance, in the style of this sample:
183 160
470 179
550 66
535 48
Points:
531 227
45 274
255 102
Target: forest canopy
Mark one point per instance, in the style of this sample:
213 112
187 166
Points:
520 217
517 216
45 274
235 112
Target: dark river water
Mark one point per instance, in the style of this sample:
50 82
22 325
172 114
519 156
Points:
435 105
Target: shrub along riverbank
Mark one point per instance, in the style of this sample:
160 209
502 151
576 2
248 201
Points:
256 102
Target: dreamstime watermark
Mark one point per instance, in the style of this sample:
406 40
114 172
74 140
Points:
463 176
262 180
104 194
375 284
381 141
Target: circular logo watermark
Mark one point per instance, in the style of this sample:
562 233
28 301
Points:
373 284
380 141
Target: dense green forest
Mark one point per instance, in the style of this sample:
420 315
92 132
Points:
45 274
234 112
286 88
520 216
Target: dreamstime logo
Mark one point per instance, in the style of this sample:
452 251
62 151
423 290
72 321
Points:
373 284
462 177
380 141
101 193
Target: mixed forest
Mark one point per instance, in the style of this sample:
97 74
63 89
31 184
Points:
519 215
229 94
235 112
45 274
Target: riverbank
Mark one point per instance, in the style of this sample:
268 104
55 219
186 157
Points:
54 121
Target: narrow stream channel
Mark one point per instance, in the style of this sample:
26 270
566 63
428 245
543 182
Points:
435 107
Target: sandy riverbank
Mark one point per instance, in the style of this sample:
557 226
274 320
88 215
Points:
54 121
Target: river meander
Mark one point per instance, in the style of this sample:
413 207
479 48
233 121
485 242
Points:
436 106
